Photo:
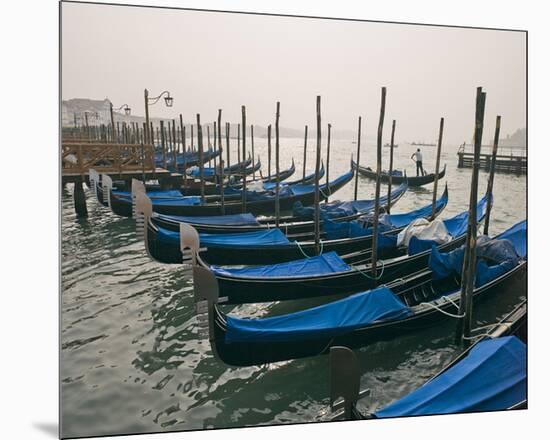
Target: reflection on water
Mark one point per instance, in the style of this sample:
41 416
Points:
131 357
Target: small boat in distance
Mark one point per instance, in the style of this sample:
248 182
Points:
423 144
386 145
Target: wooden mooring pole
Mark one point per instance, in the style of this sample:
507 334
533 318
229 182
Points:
328 161
201 156
437 162
277 183
183 141
377 191
239 143
464 325
252 147
227 145
243 169
221 160
489 192
305 155
390 170
162 143
269 151
358 157
317 167
80 200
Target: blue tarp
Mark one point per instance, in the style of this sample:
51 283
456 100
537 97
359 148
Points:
323 264
256 238
343 209
327 320
456 226
355 228
171 194
224 220
187 200
492 377
494 257
260 238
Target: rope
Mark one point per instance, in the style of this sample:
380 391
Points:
482 335
306 255
376 278
451 315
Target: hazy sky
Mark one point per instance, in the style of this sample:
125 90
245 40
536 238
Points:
213 60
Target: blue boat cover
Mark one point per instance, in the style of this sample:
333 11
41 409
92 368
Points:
187 200
354 228
214 220
324 321
493 376
494 257
256 238
402 220
456 226
172 194
343 209
322 264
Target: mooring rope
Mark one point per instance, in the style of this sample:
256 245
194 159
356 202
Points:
306 255
451 315
375 278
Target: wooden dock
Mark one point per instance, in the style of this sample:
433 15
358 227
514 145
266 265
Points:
513 160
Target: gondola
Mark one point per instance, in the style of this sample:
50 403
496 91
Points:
330 274
185 160
301 221
273 246
397 176
384 313
270 183
235 172
489 375
283 175
257 202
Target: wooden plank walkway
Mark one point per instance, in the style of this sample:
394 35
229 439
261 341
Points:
505 163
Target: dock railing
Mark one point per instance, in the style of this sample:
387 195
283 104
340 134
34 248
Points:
79 157
510 159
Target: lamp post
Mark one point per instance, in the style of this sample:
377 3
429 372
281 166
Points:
127 111
168 100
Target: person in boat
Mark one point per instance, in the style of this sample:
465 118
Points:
417 156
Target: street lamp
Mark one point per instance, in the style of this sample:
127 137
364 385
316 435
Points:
127 112
168 100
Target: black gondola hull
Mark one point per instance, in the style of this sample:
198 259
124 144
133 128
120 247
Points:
384 177
257 353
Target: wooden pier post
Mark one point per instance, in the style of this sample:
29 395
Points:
80 200
174 146
243 114
469 265
192 139
201 156
437 161
277 183
239 143
328 161
113 140
162 143
390 170
183 141
269 151
489 192
377 191
317 166
358 157
252 147
227 146
215 147
221 160
305 154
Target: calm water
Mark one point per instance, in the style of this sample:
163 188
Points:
131 359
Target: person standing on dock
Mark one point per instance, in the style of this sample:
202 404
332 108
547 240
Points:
417 156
